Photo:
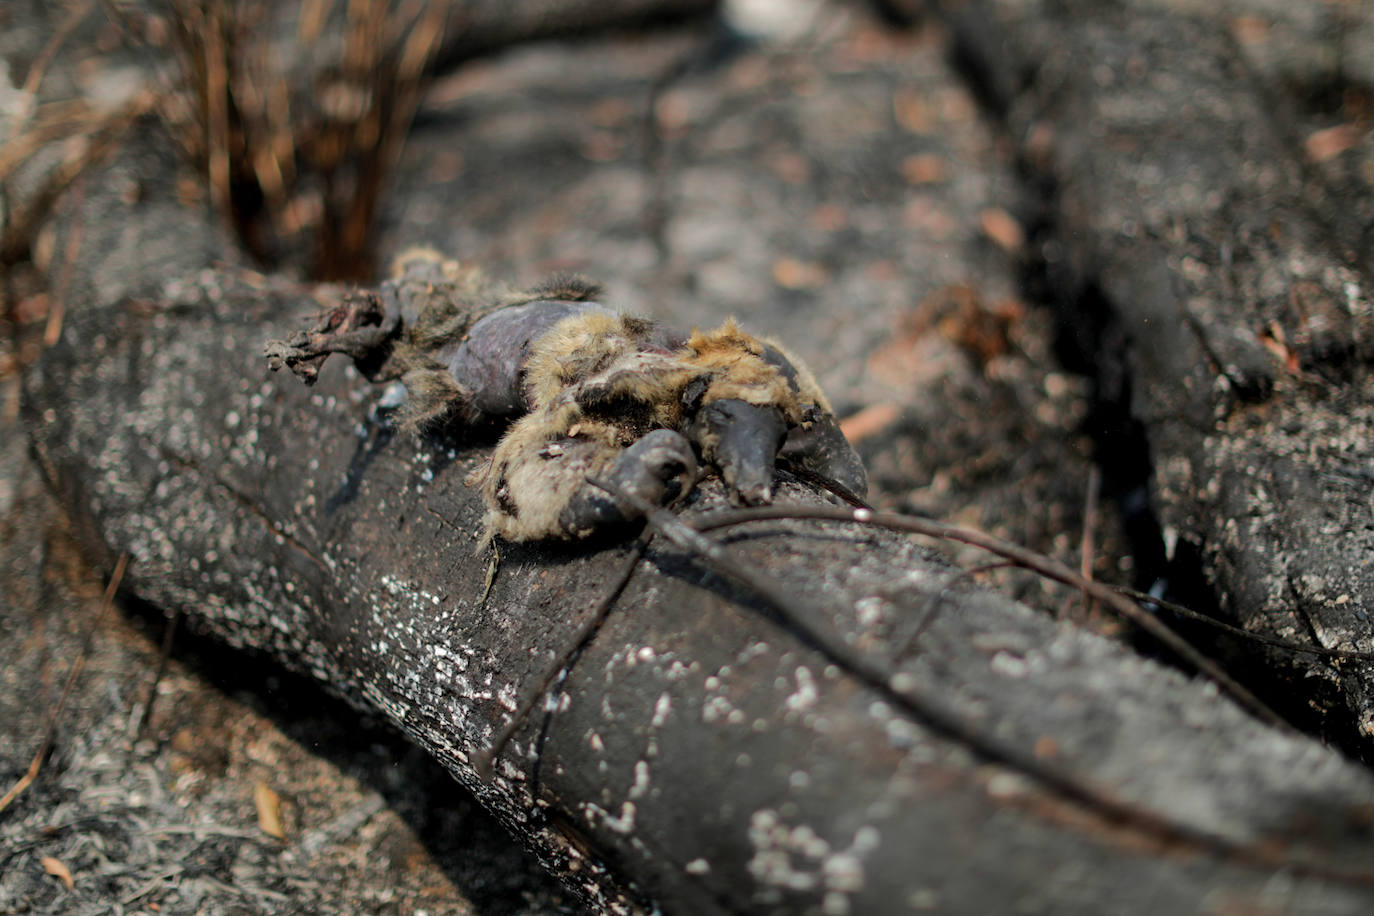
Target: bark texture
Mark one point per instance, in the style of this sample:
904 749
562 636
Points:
701 755
1218 305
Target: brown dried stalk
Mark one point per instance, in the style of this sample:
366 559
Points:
290 165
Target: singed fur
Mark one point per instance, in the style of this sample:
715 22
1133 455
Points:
590 361
445 299
592 385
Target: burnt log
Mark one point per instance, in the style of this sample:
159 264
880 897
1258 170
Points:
702 754
1222 312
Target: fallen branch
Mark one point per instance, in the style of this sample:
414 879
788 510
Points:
699 740
1223 314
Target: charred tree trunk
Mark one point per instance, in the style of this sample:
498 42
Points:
700 754
1218 309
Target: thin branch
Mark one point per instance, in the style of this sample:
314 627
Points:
817 479
164 654
89 136
938 601
217 103
1086 549
57 309
1271 641
1048 567
75 16
485 761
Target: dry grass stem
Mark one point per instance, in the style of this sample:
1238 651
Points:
75 16
297 162
87 136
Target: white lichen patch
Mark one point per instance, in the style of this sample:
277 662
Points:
416 598
677 670
509 697
1005 784
662 707
799 859
641 784
871 611
751 652
716 708
1009 665
806 694
622 823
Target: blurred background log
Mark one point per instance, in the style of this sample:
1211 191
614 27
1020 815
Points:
1216 291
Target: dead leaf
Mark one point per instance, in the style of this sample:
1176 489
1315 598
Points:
611 112
912 111
1273 339
269 810
923 168
1250 30
790 273
950 315
602 146
59 871
1039 142
924 215
1003 229
869 421
956 104
790 167
1330 142
828 218
31 309
673 112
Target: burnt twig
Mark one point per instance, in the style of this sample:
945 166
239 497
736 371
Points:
1048 567
485 761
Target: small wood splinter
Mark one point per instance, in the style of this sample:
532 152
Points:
589 393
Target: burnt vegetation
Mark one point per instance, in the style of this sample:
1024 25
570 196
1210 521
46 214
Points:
1194 382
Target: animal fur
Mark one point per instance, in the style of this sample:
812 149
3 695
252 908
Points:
593 393
441 301
595 386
